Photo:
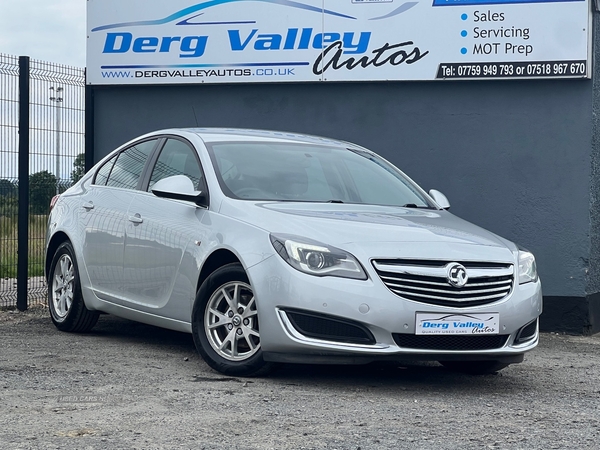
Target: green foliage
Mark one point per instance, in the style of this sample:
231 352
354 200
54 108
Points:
42 187
9 206
8 198
8 246
78 168
7 188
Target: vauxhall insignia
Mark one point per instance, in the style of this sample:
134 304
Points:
457 274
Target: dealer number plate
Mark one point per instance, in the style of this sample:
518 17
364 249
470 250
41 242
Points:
474 324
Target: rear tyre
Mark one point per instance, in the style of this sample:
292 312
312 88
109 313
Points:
474 367
67 309
225 324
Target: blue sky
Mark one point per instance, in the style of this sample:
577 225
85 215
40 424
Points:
49 30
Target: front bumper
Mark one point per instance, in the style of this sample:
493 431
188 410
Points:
369 304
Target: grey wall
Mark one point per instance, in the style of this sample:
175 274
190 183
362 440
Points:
594 260
512 156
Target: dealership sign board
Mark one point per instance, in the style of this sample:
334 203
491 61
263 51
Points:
215 41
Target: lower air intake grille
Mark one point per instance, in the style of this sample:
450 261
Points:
453 342
329 328
527 333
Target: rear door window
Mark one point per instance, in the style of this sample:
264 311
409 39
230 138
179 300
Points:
129 165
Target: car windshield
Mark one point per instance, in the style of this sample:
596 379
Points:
310 173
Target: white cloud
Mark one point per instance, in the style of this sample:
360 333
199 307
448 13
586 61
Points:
48 30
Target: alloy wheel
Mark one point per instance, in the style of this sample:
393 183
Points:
63 286
231 322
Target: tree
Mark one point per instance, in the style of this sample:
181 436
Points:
78 168
42 187
7 188
8 198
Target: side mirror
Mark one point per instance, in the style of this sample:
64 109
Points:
440 199
179 187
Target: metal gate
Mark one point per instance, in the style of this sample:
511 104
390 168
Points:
42 153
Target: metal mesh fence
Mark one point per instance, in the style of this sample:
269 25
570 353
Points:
9 151
56 160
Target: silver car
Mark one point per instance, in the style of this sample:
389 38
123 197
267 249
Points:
277 247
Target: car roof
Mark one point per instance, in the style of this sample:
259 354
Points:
210 135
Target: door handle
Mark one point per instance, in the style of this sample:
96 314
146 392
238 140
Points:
136 219
88 206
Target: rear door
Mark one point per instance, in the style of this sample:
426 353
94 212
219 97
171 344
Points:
103 212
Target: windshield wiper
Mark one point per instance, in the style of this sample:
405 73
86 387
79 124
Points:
334 201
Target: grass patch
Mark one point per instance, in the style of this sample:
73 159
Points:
9 244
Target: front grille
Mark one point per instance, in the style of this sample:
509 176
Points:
329 328
450 342
427 282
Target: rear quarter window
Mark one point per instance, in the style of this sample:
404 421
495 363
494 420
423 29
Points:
104 171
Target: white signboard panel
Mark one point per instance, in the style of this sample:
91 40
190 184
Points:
216 41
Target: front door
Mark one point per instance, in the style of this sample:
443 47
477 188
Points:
159 272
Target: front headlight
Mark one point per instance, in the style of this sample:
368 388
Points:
527 267
317 259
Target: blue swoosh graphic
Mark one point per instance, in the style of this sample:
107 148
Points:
187 22
210 4
445 318
403 7
240 22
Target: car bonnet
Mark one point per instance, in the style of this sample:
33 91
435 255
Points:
338 224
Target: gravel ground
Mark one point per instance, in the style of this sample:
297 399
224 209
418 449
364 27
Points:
128 385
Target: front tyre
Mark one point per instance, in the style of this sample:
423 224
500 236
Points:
67 309
225 324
